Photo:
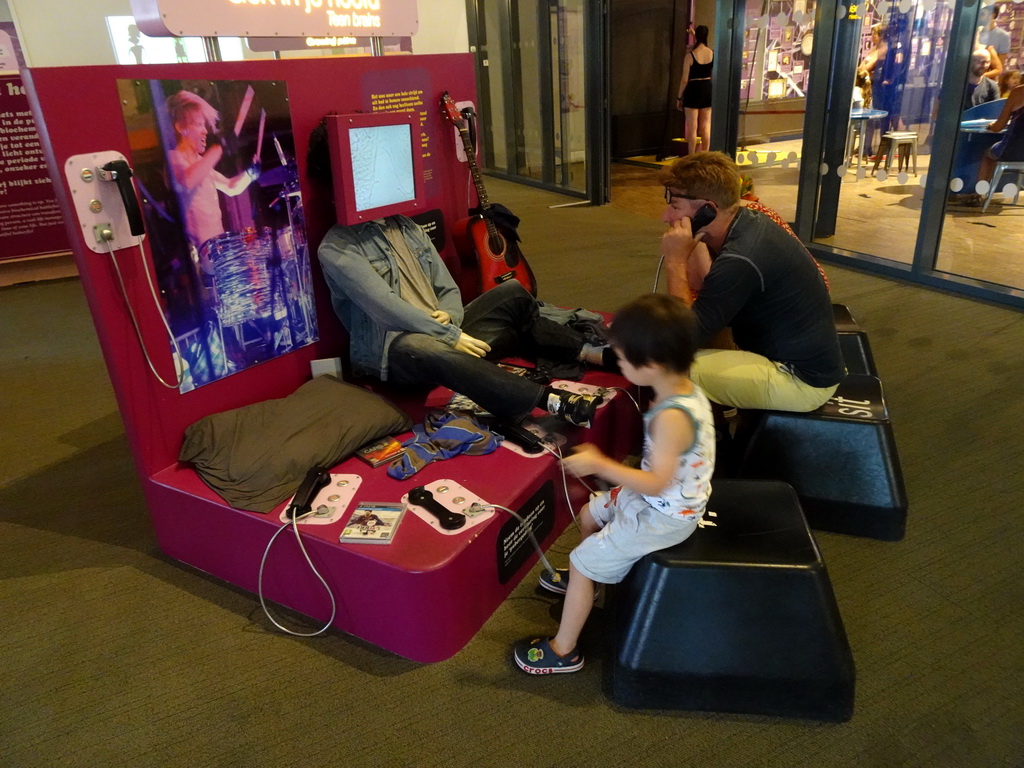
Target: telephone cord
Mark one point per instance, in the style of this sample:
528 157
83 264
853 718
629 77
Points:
138 332
294 524
529 532
556 451
657 275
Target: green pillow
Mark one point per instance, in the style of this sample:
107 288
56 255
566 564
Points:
256 456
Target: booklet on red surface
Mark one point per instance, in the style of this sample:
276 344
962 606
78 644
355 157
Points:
382 451
373 522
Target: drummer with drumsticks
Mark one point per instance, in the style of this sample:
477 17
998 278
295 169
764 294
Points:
193 162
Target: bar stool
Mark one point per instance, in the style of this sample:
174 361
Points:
1016 168
855 138
900 142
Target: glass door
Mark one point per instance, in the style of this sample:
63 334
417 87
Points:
882 110
860 123
569 94
984 213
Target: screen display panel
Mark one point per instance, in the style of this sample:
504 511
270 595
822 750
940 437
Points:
377 163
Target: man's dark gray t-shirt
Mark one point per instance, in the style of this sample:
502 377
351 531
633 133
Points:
767 288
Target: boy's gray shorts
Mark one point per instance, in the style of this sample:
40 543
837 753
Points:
630 529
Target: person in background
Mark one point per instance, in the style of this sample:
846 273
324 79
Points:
694 99
1008 80
1010 148
993 38
656 506
862 90
980 89
871 67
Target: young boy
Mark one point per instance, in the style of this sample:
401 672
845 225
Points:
654 507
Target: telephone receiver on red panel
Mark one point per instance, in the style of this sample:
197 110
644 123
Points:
112 220
105 201
119 172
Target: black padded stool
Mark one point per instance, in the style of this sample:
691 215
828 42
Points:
841 459
853 342
740 617
856 351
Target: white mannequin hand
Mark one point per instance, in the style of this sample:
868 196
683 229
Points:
441 316
471 346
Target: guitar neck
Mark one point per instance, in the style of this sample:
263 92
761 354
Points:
478 182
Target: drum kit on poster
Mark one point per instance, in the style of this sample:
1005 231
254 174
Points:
262 273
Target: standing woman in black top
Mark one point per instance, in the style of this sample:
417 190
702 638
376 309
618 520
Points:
694 98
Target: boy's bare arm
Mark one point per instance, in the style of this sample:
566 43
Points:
672 434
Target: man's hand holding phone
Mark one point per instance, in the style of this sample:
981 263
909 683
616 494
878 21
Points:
687 258
679 241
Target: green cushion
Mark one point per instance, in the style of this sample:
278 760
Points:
256 456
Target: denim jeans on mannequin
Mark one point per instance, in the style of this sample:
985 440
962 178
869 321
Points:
507 319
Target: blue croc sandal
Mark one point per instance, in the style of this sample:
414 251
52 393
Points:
536 657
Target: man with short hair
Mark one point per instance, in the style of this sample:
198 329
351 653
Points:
753 275
980 89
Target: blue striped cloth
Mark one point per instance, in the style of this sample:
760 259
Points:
442 435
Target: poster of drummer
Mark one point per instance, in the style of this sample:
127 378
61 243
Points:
214 163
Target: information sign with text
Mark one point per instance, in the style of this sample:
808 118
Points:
276 18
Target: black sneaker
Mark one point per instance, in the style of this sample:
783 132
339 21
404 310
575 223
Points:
575 408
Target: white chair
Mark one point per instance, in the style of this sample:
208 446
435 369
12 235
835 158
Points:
854 138
1015 168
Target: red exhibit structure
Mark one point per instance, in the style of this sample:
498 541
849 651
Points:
424 595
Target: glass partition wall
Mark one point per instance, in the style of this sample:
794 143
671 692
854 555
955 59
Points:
775 68
852 121
983 222
872 190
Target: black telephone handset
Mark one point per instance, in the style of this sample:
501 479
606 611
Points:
520 435
449 520
704 216
316 479
119 172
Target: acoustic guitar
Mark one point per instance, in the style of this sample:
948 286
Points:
497 255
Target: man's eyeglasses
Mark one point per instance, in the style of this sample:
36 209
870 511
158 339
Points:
671 197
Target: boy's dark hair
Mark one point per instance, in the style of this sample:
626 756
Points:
656 328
